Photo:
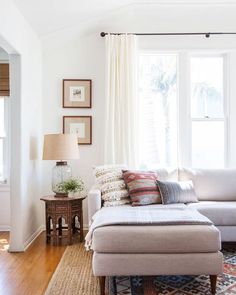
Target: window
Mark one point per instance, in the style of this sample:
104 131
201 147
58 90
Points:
3 140
158 109
207 111
160 99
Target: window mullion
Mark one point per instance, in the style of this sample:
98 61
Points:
6 139
184 129
226 85
208 119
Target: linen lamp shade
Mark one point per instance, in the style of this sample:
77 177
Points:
60 147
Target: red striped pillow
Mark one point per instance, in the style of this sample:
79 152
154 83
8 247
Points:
142 187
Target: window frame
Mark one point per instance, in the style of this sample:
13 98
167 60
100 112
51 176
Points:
224 119
6 144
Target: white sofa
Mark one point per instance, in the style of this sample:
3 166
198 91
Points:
170 250
215 189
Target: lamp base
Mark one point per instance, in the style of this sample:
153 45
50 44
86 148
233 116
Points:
61 163
60 174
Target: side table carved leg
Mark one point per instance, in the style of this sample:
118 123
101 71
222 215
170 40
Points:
54 224
73 225
48 228
81 226
69 229
60 226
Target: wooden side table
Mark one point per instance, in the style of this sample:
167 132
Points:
59 208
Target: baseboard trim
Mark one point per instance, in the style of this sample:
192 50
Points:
5 228
32 238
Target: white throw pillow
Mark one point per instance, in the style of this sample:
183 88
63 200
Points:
111 182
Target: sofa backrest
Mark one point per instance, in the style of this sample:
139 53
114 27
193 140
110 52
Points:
167 174
212 185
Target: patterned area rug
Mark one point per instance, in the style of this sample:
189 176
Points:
177 285
73 276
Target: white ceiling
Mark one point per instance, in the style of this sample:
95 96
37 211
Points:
48 16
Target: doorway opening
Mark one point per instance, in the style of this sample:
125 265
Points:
4 147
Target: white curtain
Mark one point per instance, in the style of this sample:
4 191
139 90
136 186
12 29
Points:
121 100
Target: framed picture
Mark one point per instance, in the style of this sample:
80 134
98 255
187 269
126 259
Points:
77 93
79 125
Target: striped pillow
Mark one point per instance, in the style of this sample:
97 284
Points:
142 187
177 192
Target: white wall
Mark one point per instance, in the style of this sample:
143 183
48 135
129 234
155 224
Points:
79 51
5 208
81 58
19 40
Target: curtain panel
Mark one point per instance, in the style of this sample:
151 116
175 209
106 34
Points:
121 100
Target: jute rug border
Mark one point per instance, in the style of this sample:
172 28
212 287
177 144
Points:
73 275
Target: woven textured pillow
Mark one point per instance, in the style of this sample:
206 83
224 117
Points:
177 192
113 188
100 171
142 187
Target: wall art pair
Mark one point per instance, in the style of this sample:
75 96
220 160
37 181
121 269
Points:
77 93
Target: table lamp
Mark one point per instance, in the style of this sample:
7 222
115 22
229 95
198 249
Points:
60 147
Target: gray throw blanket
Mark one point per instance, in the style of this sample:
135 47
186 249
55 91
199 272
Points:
144 215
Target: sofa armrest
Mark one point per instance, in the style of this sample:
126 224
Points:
94 202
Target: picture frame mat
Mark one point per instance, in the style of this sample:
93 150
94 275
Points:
79 124
85 85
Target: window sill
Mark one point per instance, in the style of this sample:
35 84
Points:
4 187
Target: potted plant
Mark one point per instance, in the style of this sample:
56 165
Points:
71 186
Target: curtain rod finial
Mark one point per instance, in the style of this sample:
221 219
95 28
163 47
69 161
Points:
103 34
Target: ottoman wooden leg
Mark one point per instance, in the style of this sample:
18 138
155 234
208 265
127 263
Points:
213 279
102 285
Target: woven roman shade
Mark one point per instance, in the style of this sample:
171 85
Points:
4 80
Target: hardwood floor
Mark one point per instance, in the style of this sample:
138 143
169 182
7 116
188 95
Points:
27 273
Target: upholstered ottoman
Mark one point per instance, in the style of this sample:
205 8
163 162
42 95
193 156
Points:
157 250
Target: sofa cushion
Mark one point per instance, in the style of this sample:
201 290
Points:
112 185
153 264
212 185
142 187
156 239
220 213
167 174
176 192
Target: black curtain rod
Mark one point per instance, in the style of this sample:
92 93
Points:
207 35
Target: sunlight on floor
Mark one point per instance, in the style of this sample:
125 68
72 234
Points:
4 244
